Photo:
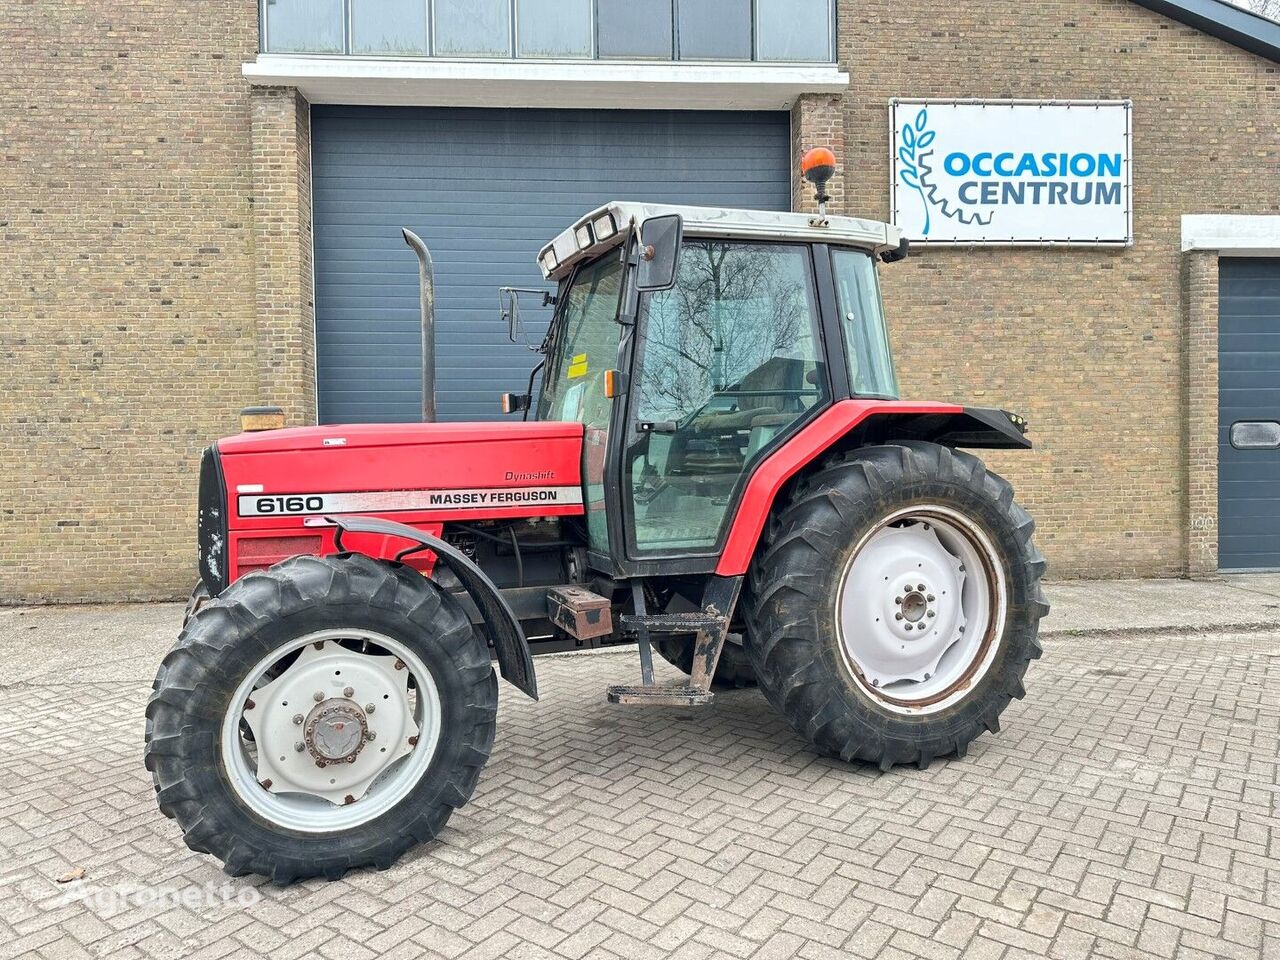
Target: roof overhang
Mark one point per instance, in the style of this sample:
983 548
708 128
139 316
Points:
585 240
1231 234
1224 21
506 83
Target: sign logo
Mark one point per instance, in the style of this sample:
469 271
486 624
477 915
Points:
1008 171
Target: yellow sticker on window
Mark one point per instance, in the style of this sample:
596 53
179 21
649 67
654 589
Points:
578 367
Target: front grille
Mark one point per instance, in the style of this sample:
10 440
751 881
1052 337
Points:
211 523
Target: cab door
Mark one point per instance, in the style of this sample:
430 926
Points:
727 364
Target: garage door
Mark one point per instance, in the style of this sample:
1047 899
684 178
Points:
486 189
1249 414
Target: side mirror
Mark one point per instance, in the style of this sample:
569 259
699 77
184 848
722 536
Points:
509 303
659 252
897 253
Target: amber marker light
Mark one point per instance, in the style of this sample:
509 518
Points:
614 384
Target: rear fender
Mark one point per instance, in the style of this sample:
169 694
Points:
856 423
509 642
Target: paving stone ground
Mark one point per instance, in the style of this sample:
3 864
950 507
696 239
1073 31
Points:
1127 809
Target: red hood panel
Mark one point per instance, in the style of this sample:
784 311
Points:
414 473
394 434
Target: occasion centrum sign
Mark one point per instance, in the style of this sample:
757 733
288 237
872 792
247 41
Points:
1012 171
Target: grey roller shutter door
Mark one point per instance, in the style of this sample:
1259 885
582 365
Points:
1249 400
486 189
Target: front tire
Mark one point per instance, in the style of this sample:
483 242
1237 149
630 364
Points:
860 600
266 794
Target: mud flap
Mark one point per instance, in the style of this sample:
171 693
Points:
515 663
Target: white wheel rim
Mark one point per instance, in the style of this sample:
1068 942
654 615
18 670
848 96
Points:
316 789
920 609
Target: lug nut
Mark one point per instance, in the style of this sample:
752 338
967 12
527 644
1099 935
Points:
318 696
897 616
875 683
399 664
910 627
898 600
930 597
299 746
413 741
298 718
373 735
921 588
369 707
932 614
348 692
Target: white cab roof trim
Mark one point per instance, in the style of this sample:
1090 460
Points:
715 222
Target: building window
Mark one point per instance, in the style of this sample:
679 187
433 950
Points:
794 30
635 29
389 27
715 30
550 29
303 26
785 31
472 28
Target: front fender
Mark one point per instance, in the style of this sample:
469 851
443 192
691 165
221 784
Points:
514 660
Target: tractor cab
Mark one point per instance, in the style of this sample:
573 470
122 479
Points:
691 343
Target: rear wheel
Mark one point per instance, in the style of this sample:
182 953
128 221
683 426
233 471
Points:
895 606
326 714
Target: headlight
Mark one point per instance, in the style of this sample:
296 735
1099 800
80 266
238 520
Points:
547 260
582 235
604 227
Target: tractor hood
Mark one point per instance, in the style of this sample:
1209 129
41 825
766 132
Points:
269 495
363 435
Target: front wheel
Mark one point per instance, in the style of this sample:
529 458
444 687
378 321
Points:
895 607
326 714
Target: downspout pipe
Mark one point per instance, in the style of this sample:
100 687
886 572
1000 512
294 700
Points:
427 289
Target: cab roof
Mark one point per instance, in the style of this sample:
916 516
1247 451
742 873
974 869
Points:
607 226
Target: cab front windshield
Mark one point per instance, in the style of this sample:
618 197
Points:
584 347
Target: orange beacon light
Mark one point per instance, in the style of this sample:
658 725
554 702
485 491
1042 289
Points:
818 166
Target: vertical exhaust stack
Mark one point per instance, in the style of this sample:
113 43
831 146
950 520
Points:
427 286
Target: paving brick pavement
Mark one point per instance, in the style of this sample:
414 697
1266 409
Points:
1127 809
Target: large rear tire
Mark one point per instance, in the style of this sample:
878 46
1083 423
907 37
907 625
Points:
894 606
326 714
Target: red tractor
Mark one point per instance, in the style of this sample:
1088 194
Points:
716 464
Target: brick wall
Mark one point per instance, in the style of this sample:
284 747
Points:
1088 344
127 335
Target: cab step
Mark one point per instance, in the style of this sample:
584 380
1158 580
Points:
679 695
692 622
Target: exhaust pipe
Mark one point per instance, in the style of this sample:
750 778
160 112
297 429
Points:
427 286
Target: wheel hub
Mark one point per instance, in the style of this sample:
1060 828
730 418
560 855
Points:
915 606
336 732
